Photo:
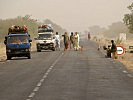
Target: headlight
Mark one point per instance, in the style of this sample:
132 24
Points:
8 50
27 50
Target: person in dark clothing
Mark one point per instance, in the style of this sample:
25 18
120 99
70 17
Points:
113 49
66 41
109 52
89 37
72 40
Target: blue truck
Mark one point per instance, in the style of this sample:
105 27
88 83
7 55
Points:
18 45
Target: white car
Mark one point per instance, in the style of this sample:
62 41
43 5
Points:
45 41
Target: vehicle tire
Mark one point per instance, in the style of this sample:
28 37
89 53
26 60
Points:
38 50
53 49
9 57
29 56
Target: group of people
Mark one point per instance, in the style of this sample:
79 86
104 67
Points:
72 40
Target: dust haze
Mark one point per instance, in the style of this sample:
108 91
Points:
73 15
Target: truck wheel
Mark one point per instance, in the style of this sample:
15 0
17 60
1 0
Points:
38 50
29 56
9 57
53 49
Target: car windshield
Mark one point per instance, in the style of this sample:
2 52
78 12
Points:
17 40
42 30
45 36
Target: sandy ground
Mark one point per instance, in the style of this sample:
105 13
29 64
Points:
2 52
127 58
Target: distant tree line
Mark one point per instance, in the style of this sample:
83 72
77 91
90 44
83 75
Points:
128 18
32 25
19 21
113 30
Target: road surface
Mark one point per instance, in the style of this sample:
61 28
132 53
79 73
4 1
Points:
69 75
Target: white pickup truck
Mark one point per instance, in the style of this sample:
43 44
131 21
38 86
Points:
45 41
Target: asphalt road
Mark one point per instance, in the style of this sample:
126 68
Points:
69 75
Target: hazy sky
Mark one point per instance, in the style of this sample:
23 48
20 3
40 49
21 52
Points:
74 15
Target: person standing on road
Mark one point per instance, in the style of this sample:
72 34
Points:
89 37
76 36
57 39
72 40
66 41
78 40
108 51
113 49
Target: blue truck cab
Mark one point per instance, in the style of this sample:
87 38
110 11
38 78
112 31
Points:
18 45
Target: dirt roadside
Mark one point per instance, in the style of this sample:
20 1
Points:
126 58
2 53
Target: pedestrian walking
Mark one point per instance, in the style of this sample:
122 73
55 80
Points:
57 39
89 37
66 41
71 40
108 51
76 41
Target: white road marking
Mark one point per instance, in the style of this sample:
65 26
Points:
51 66
39 84
57 60
125 71
48 70
32 95
129 75
43 78
36 89
46 73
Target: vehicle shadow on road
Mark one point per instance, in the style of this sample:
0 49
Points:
46 51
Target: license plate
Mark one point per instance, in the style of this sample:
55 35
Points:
17 52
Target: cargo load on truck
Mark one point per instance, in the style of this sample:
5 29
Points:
17 29
45 28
